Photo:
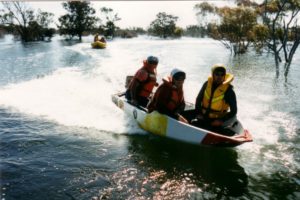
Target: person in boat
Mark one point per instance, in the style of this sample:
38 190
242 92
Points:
169 98
102 39
96 37
216 105
143 82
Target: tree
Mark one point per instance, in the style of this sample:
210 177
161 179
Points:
195 31
130 32
206 13
109 17
22 20
44 19
79 19
272 25
281 18
237 27
234 26
178 32
163 26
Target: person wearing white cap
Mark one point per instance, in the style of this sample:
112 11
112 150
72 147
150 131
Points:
169 97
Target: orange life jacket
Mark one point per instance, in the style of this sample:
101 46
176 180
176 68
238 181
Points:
147 85
176 98
217 107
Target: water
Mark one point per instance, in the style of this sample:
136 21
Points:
61 137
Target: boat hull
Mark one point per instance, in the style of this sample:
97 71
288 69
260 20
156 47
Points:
166 126
98 45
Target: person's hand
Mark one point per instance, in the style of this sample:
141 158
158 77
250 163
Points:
182 119
217 123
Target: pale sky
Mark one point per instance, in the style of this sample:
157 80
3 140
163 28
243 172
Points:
133 13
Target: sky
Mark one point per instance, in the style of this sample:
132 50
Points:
134 13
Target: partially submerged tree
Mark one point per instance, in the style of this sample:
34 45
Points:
195 31
22 20
272 25
18 15
234 27
80 18
44 19
206 14
281 17
164 25
108 19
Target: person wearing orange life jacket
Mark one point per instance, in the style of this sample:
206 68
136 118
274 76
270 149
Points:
143 82
169 98
216 102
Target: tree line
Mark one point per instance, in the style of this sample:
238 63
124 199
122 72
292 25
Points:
19 19
270 26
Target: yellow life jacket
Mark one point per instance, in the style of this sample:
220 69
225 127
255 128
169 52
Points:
218 107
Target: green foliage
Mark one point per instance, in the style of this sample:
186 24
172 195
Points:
281 18
79 19
17 18
178 32
236 27
205 8
206 13
258 36
271 25
44 18
237 22
130 32
109 17
163 26
195 31
247 3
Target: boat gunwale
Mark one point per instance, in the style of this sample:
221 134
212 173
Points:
230 140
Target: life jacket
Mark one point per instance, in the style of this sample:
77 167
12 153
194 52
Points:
216 105
147 85
176 97
102 40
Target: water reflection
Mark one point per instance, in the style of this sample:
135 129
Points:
167 169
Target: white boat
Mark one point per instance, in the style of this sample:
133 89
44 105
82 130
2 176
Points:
165 126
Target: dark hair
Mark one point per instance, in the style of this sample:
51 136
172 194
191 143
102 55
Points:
179 76
220 69
152 60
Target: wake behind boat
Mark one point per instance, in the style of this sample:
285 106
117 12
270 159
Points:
166 126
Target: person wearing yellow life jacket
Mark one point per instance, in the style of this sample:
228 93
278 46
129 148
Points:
143 82
216 102
169 98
